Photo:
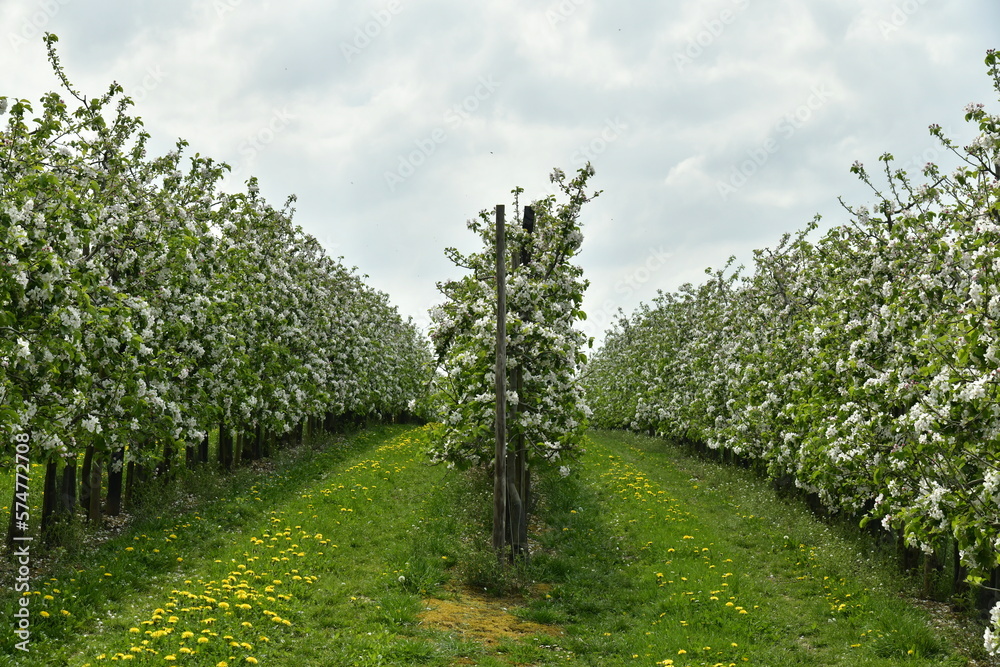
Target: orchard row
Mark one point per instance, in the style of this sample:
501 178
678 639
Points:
862 366
141 306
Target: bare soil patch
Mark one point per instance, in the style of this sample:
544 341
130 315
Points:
480 618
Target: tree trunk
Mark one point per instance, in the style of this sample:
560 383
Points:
258 442
165 468
130 485
94 509
50 494
67 498
237 447
115 465
249 442
225 447
88 461
203 450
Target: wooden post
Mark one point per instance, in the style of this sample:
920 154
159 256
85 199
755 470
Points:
517 471
500 455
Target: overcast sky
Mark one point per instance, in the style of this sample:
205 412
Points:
714 126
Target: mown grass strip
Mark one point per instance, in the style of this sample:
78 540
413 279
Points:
665 559
643 556
252 575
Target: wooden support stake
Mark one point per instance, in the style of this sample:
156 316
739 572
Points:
500 458
517 470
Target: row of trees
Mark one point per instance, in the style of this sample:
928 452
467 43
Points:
141 307
864 366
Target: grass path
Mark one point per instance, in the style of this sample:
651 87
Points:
710 568
333 557
303 569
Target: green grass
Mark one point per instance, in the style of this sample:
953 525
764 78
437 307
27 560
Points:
708 567
325 557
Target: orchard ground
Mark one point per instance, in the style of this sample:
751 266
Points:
352 550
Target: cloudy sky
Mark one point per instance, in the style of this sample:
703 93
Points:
714 126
